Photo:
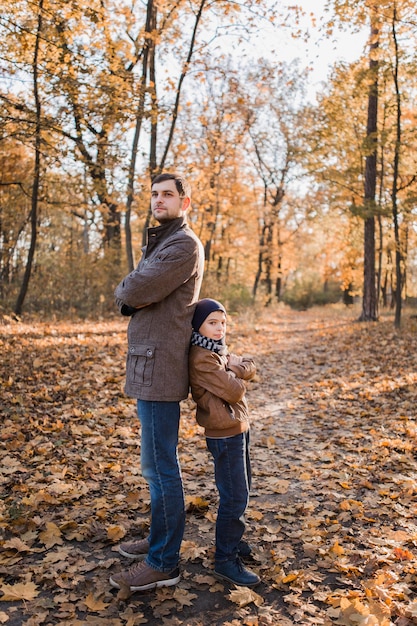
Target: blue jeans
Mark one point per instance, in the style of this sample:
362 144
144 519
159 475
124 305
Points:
232 473
161 470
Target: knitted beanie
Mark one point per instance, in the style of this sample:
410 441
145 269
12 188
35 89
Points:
203 309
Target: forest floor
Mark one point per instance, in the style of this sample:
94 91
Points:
333 512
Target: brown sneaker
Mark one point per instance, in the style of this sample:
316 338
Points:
134 549
142 576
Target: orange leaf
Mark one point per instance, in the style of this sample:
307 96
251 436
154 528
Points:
402 554
114 533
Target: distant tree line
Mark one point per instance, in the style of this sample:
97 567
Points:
294 201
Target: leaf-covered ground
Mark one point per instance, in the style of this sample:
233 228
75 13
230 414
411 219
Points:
333 513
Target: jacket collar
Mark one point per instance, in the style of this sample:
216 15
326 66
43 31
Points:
166 229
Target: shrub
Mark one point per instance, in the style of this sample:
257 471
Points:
235 297
305 293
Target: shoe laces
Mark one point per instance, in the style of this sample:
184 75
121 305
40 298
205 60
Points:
136 568
239 564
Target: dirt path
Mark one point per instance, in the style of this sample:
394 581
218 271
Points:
332 516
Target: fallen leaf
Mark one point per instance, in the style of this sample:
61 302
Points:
115 533
411 609
16 544
51 536
334 458
19 591
244 596
289 578
95 603
183 597
191 551
402 554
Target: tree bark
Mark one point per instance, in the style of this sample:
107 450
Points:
398 254
153 167
148 51
184 72
369 302
36 173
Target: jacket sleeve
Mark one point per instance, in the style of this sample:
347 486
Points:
154 279
125 309
246 369
210 374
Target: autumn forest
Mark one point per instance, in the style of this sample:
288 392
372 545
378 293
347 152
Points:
304 195
298 198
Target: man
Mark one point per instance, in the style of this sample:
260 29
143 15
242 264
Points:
160 294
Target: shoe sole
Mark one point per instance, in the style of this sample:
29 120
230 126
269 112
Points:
169 582
129 555
235 582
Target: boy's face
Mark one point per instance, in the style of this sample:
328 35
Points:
214 326
166 202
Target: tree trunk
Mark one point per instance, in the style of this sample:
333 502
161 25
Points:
369 303
153 167
36 174
278 282
268 264
262 244
260 261
140 113
398 254
185 69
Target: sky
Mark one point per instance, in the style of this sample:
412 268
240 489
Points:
321 52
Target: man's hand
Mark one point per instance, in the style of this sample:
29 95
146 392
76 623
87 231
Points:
124 309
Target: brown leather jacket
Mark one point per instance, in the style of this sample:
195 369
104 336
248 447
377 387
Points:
222 409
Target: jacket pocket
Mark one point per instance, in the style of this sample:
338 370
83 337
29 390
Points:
218 416
141 361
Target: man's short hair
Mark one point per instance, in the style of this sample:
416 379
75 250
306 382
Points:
183 187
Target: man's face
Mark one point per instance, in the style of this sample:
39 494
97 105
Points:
166 202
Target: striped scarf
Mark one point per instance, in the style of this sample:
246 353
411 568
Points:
209 344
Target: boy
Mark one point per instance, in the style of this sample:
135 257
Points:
218 388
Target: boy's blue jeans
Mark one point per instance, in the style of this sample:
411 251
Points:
161 470
232 473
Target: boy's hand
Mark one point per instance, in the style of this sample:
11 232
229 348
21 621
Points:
242 367
234 360
233 364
